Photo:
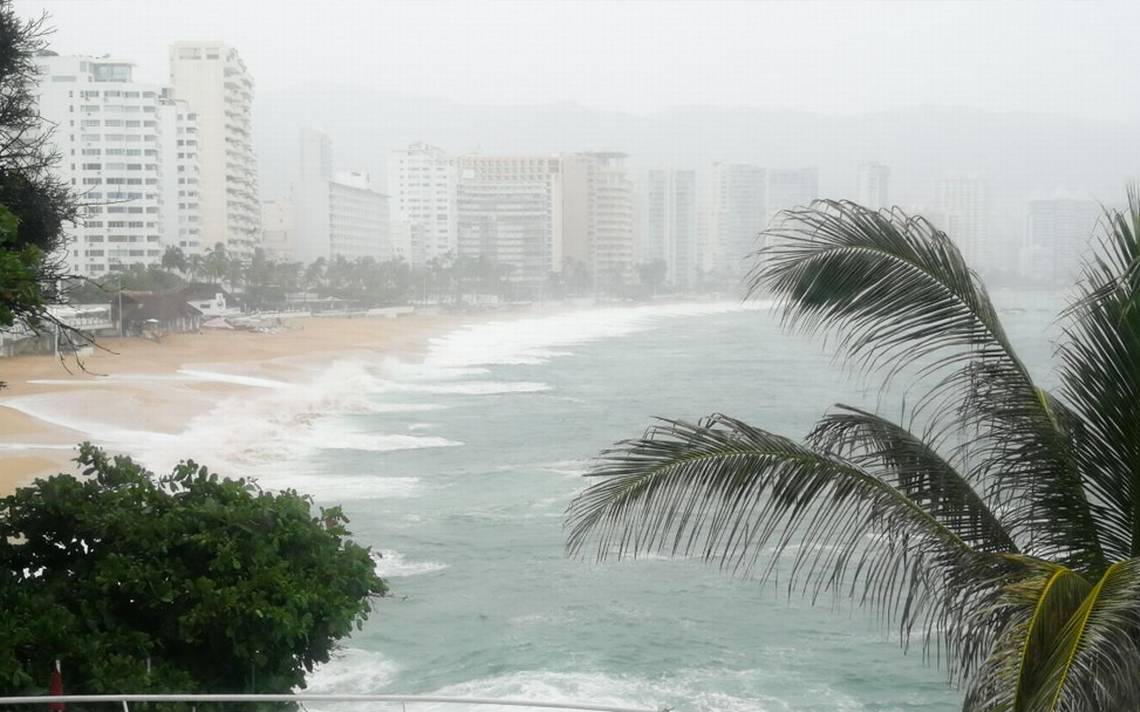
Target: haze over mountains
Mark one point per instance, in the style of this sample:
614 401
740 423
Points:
1021 155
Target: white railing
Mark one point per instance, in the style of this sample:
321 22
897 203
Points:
126 699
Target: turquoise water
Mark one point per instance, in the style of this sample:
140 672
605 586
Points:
498 427
458 470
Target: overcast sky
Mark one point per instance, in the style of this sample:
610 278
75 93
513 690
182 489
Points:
1072 58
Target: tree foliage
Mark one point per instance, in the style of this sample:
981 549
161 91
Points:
1001 522
37 204
186 582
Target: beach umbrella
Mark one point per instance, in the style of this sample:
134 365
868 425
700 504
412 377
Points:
56 688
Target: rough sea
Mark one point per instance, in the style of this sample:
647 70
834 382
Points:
457 471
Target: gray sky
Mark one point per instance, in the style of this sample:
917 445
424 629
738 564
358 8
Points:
1071 58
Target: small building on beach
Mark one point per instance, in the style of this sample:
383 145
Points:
210 299
143 312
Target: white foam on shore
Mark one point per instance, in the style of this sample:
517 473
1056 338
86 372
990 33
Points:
352 671
688 690
16 447
236 379
383 442
392 564
338 487
536 340
472 388
255 432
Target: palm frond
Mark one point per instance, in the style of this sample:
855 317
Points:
897 292
1100 372
1030 612
730 493
915 468
894 287
1094 661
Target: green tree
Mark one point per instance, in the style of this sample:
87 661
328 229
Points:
1003 522
38 204
652 275
20 296
185 582
173 258
216 264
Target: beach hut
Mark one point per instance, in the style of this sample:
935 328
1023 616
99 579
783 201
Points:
156 311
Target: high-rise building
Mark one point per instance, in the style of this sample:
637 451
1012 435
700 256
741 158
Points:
1057 232
277 227
790 188
359 224
735 213
422 185
127 149
334 215
961 211
212 78
598 215
872 186
180 178
310 195
509 210
669 224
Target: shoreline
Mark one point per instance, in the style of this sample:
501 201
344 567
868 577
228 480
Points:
138 385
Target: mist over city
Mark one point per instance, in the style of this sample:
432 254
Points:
591 355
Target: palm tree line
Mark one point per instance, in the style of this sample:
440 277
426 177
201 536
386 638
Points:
263 282
998 522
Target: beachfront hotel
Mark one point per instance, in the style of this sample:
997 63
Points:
510 211
213 79
600 208
129 150
422 182
669 224
329 213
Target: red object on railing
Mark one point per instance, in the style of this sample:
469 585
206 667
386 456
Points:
56 688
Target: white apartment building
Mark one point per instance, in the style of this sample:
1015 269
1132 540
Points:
330 215
359 224
211 78
422 183
1058 232
126 149
599 214
790 188
277 227
734 213
669 224
510 211
872 185
310 195
961 212
180 207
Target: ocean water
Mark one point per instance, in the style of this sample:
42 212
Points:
457 472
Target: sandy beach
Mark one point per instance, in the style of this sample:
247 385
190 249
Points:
158 398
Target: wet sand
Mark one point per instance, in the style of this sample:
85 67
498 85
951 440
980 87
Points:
164 400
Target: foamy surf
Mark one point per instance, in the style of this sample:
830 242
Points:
382 442
536 340
330 487
392 564
352 671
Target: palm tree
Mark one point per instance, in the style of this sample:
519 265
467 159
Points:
1001 523
195 267
174 259
217 263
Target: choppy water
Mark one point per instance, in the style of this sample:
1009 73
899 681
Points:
457 471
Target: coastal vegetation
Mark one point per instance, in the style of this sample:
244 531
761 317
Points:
186 582
996 521
35 203
266 283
